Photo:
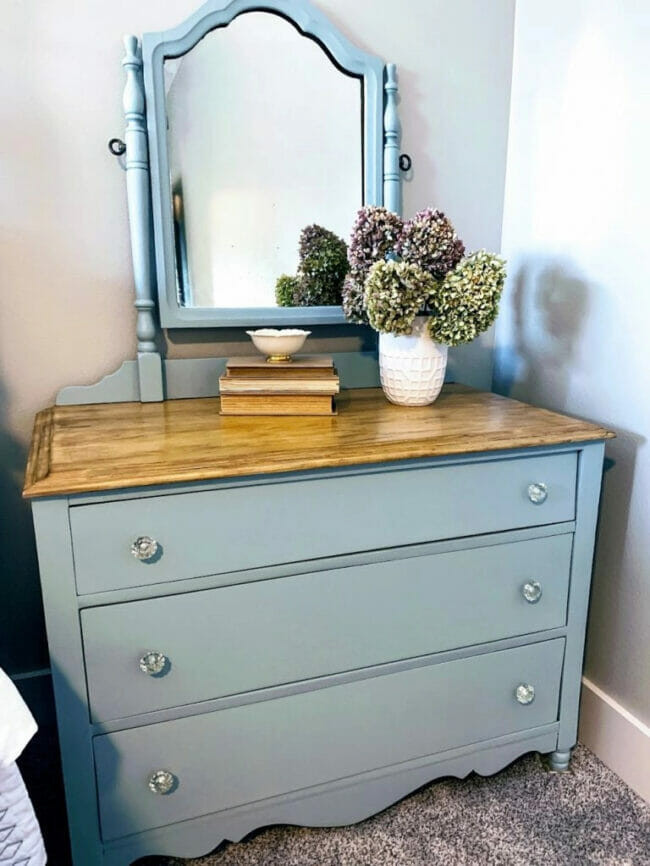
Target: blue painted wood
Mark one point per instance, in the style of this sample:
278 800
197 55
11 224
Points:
210 533
139 203
68 678
289 744
420 606
559 762
333 804
150 377
590 465
176 42
341 584
300 686
247 317
326 563
199 377
122 386
392 139
128 493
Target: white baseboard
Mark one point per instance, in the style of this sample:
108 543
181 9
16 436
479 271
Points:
618 738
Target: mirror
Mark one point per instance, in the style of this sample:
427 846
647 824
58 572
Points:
264 138
262 119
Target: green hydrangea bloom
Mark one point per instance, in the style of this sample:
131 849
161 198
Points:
394 294
286 289
465 303
323 264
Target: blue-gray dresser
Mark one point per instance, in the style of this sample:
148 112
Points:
263 620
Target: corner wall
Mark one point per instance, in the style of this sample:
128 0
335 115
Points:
573 333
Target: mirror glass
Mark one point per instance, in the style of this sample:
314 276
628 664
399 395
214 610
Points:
265 137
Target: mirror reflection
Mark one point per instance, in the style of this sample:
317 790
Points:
265 138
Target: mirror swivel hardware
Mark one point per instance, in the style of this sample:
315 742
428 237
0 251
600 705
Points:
117 147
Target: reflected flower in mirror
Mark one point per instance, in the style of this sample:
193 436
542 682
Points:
322 266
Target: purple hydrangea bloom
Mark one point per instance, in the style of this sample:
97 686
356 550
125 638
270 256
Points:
353 303
429 240
376 232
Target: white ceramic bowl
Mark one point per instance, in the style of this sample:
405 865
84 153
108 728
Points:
278 345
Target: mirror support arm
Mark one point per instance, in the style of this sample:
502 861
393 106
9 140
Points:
392 140
139 204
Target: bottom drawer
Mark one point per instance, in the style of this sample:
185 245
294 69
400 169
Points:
239 755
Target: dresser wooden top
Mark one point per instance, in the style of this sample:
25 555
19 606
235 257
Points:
108 446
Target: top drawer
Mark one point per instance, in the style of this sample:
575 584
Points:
235 528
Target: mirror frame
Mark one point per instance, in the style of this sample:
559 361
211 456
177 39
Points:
309 21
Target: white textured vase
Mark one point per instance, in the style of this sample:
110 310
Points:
412 368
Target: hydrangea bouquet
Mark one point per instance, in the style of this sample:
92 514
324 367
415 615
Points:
402 271
399 270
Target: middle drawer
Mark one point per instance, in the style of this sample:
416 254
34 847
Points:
236 639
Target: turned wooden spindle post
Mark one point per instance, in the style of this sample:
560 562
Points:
392 139
139 203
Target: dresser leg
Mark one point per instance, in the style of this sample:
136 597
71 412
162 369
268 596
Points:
559 762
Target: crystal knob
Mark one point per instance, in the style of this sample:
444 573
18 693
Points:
161 782
537 493
153 663
144 547
532 591
525 693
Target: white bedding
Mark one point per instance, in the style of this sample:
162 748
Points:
17 725
21 843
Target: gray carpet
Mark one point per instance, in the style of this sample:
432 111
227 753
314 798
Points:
523 816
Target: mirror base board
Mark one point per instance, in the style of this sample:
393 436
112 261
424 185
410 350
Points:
199 377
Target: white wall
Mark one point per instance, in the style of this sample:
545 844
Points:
574 330
67 313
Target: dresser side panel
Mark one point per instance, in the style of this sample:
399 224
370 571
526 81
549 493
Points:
590 468
54 548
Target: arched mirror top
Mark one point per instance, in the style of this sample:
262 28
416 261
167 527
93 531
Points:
236 173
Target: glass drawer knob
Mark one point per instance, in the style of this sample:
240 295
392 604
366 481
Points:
161 782
537 493
144 548
153 663
532 591
525 693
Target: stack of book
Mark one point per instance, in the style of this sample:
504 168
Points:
303 386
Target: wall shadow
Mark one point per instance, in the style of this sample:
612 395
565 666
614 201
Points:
23 644
40 765
549 302
545 316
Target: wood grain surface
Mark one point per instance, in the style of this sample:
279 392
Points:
110 446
